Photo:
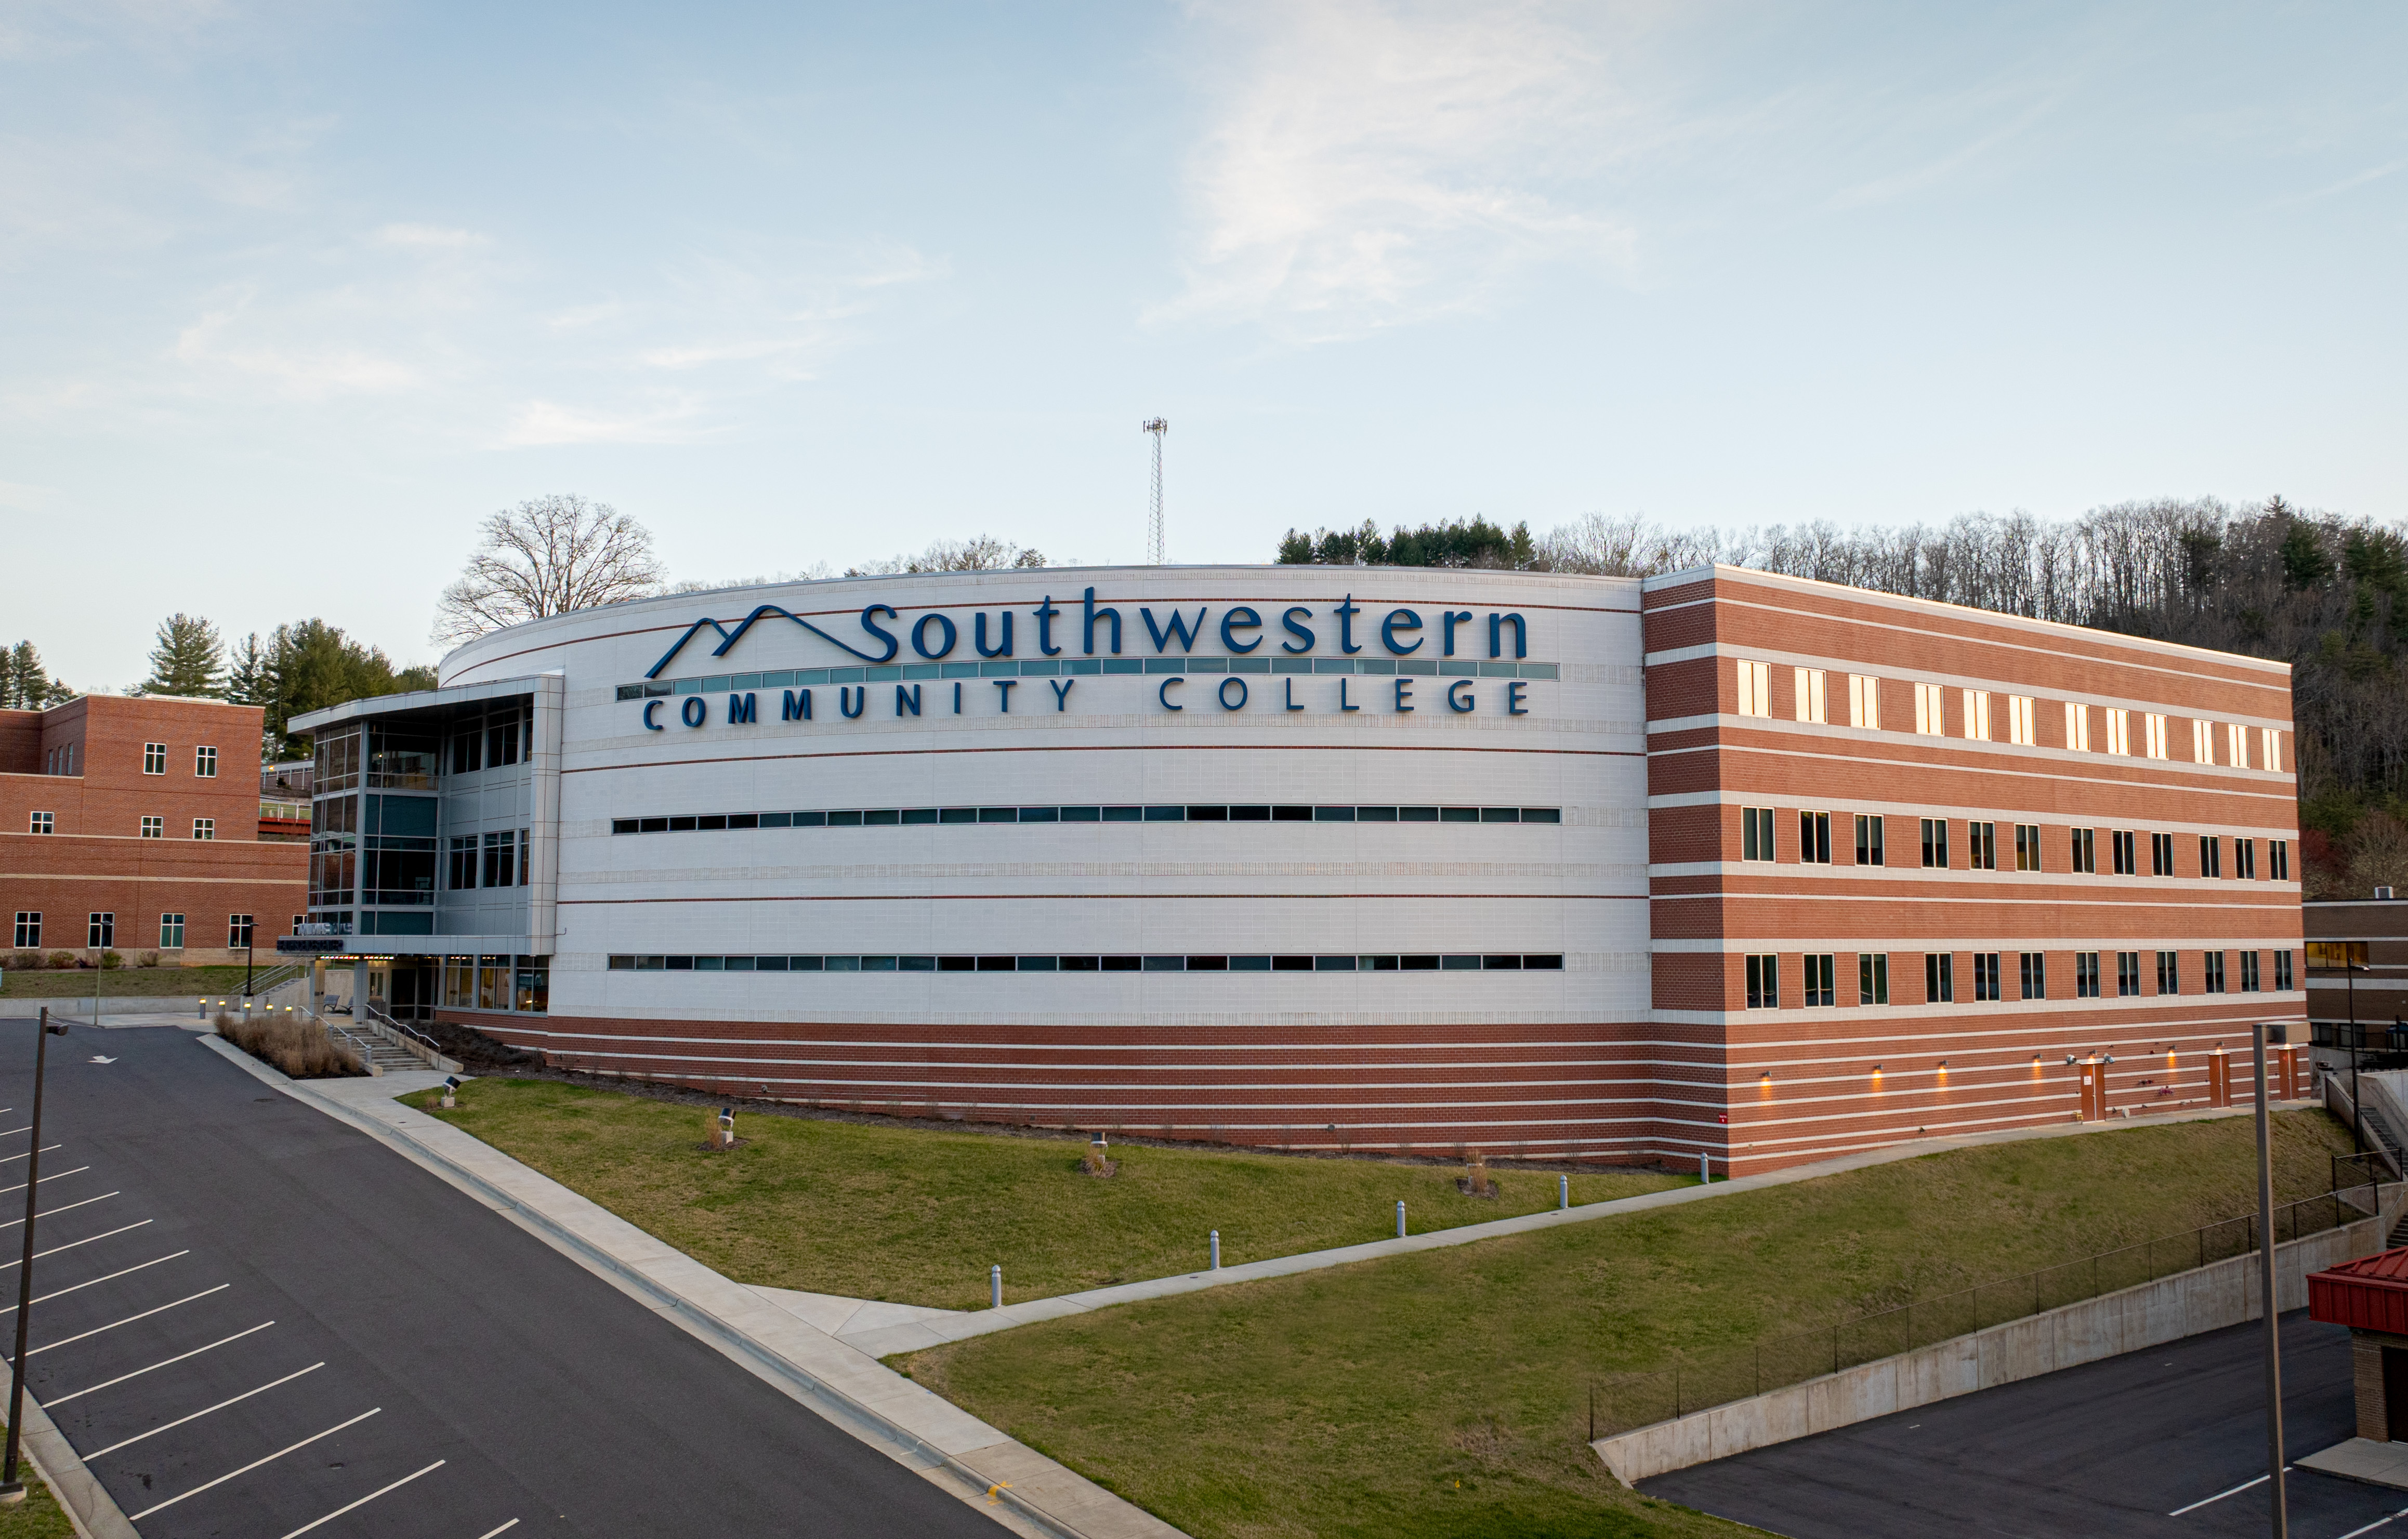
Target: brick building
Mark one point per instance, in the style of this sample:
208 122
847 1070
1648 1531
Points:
1718 863
133 824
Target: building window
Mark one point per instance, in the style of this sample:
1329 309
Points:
154 828
205 763
1982 846
1756 834
2086 850
1764 982
2278 858
100 930
1755 688
171 932
2120 730
2245 859
41 822
1873 978
2023 720
1819 986
2282 968
1868 839
1939 977
238 932
2202 742
1864 702
1977 713
502 742
2269 749
2033 969
2212 967
154 758
2249 972
2077 727
1935 841
2027 846
2085 974
463 874
2127 975
204 828
1930 718
527 856
2337 954
2128 851
29 930
1814 839
501 859
468 750
1808 686
1985 976
298 921
2170 972
2161 854
2236 742
2211 855
2154 727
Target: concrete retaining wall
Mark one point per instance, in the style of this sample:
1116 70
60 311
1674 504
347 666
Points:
2208 1298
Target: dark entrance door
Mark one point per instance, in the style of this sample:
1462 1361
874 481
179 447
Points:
2395 1391
413 990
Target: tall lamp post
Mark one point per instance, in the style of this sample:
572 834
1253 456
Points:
2260 1035
12 1489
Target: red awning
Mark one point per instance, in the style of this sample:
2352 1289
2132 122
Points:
2369 1294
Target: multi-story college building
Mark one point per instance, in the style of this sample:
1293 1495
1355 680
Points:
1719 863
133 825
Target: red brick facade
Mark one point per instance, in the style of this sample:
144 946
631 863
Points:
77 784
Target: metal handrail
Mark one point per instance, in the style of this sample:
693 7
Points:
383 1019
1643 1398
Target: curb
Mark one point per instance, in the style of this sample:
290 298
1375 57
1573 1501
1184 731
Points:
861 1420
87 1503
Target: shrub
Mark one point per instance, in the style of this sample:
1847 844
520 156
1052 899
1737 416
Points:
25 961
111 959
294 1044
146 959
62 959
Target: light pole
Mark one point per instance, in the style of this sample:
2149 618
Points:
2258 1037
12 1490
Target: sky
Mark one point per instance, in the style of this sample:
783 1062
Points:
293 296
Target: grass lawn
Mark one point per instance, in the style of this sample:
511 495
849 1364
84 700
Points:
917 1215
37 1517
1443 1393
116 982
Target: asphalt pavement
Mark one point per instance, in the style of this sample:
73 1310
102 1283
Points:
2166 1442
251 1319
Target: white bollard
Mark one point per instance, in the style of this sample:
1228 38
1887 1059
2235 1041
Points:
1705 1172
994 1286
1400 1218
1563 1191
1216 1250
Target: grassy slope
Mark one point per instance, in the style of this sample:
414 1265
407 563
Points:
1443 1393
76 983
917 1215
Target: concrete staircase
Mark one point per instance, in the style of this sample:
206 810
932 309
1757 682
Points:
380 1054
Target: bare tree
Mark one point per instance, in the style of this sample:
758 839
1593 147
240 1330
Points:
547 557
981 554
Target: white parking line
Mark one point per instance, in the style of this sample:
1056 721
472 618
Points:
371 1496
197 1415
60 1176
60 1400
504 1529
48 1211
71 1244
14 1132
2376 1524
29 1154
253 1465
36 1351
97 1281
2221 1495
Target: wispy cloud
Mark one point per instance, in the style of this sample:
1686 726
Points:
543 423
1369 163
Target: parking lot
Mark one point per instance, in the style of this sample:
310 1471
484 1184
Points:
251 1319
2168 1442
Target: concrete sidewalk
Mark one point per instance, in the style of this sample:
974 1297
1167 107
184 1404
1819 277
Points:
770 1331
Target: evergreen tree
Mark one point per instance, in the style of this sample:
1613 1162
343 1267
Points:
25 685
188 659
306 666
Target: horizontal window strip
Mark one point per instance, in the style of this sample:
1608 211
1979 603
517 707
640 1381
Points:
803 678
1083 963
1184 812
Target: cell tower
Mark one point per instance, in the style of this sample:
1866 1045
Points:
1154 551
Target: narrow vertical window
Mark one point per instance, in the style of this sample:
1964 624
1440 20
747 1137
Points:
2023 720
1864 702
2085 974
1940 977
2033 973
1929 714
2237 744
2278 858
1755 688
2086 850
1764 982
2211 855
1814 839
2127 975
2249 972
29 930
1873 978
1985 975
1981 846
2154 727
1810 701
2128 851
2161 854
100 930
2211 970
2245 859
1977 713
1935 841
1868 839
2027 846
2282 969
1756 834
2170 972
1820 992
526 857
2077 727
2269 749
2120 730
2202 742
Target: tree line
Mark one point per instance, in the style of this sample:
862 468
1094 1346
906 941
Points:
2324 593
